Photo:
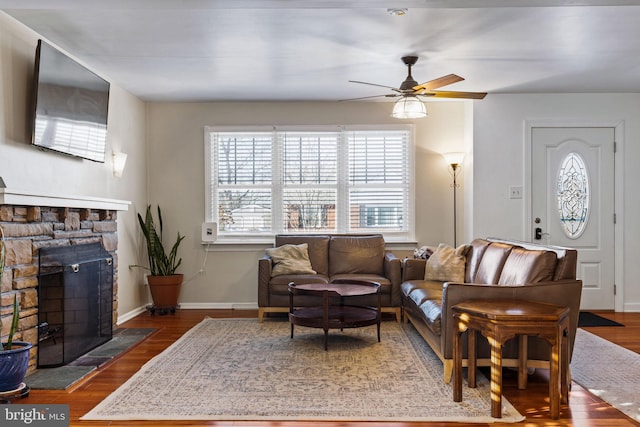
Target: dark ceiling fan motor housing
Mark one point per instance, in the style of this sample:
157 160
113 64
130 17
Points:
409 82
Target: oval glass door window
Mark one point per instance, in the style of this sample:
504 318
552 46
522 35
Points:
573 195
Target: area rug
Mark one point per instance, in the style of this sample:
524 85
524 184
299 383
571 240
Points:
607 370
238 369
588 319
64 377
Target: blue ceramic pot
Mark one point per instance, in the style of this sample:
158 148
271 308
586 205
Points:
13 365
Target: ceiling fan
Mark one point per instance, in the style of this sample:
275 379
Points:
411 89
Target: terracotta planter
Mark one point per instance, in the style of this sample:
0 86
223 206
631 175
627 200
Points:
13 365
165 290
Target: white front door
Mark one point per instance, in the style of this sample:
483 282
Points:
572 202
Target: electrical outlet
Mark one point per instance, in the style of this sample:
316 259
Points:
515 192
209 232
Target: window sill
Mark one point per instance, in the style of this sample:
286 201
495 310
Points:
252 245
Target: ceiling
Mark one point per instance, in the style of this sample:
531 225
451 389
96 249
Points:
238 50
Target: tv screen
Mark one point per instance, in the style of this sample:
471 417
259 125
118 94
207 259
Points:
71 106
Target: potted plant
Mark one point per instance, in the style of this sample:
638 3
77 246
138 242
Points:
164 282
14 355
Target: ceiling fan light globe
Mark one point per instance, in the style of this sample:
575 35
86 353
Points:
409 107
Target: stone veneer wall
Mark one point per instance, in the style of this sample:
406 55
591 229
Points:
29 228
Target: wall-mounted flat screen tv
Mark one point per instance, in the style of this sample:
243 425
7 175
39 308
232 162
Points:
71 106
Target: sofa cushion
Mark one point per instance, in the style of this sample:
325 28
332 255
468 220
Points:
279 285
426 296
410 285
432 312
419 295
290 259
491 263
318 249
446 264
478 246
528 266
383 281
356 254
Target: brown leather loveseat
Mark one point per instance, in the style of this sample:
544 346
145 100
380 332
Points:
493 269
333 256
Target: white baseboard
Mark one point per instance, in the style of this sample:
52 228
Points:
193 306
631 307
219 305
130 315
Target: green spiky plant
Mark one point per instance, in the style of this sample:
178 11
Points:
16 314
14 324
160 263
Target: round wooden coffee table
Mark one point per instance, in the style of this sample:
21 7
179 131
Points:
334 309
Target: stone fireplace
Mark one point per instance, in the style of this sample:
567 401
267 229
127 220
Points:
35 221
75 302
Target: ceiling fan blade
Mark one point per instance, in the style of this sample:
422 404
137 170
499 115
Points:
373 84
451 94
391 95
439 82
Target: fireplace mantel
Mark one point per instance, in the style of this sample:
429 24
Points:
33 198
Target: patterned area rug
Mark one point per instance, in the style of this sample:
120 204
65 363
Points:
609 371
237 369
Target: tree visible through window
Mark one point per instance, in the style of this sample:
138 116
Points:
262 183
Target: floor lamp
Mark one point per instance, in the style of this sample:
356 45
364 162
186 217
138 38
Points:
454 161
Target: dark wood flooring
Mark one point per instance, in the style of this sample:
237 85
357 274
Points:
584 408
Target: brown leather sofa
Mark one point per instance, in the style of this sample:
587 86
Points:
494 269
333 256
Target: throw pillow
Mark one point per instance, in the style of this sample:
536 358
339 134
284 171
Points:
290 259
446 264
423 252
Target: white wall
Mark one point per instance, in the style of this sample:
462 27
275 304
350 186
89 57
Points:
176 180
24 167
498 153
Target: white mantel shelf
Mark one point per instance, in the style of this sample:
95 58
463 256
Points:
32 198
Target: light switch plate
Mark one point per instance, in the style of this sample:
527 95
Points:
515 192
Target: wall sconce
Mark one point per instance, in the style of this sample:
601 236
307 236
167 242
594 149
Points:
454 161
119 160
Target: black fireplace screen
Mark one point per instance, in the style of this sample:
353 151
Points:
75 298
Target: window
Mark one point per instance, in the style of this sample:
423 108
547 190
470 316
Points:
310 180
573 195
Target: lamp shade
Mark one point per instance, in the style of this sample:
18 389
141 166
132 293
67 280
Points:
409 107
454 158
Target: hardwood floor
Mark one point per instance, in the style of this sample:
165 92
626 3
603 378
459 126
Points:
584 408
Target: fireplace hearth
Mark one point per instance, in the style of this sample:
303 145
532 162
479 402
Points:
75 300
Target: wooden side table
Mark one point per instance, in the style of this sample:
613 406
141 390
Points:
500 321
